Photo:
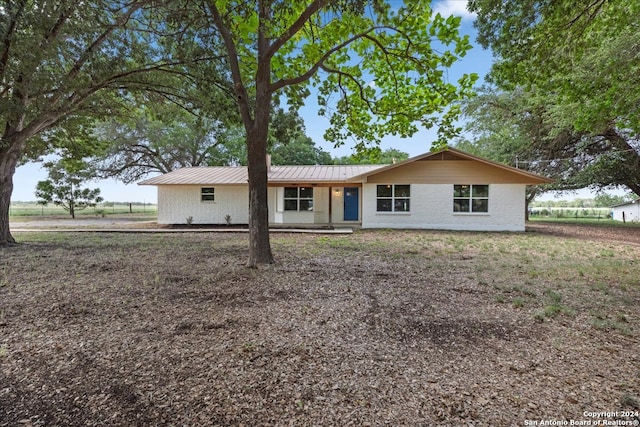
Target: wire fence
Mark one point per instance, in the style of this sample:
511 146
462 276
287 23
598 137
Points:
103 209
571 213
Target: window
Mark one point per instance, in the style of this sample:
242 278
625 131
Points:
298 198
393 198
207 194
471 198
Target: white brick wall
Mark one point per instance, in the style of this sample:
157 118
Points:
177 202
319 214
432 207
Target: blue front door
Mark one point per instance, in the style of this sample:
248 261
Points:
351 203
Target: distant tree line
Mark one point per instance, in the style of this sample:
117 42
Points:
154 141
602 200
163 137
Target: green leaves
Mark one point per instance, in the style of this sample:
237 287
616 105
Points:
248 27
578 64
376 70
63 188
585 55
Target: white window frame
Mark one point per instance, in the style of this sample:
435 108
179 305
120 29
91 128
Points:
299 199
470 199
394 199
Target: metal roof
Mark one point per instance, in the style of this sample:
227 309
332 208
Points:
202 176
235 175
319 174
630 202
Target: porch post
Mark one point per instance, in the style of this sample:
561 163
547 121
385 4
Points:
330 206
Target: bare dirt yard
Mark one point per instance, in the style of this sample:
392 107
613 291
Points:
414 328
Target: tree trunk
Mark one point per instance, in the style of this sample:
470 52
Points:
72 203
632 180
257 135
9 156
259 245
529 196
6 188
256 126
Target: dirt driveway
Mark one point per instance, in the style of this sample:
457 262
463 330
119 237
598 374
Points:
600 233
111 221
384 327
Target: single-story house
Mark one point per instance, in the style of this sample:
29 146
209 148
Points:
627 212
447 189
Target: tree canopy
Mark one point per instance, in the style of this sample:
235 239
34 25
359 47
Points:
62 61
585 54
161 137
373 157
373 66
571 70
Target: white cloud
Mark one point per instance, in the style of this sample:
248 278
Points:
453 7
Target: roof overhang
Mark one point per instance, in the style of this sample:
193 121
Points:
324 175
528 178
629 203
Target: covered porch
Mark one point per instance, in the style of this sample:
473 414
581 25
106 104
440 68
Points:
312 204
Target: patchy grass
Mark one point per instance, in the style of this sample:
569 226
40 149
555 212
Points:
603 221
378 327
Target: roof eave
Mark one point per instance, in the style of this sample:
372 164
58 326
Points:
536 179
630 202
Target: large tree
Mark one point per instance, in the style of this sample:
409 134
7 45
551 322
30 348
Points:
300 150
63 60
512 127
378 69
160 137
578 64
518 127
509 127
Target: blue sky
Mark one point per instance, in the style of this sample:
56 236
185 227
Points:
476 61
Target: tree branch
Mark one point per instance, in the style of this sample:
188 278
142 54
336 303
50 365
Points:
315 67
304 17
232 52
90 50
369 103
4 58
597 4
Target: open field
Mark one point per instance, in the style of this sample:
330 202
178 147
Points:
578 215
375 328
19 210
118 220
